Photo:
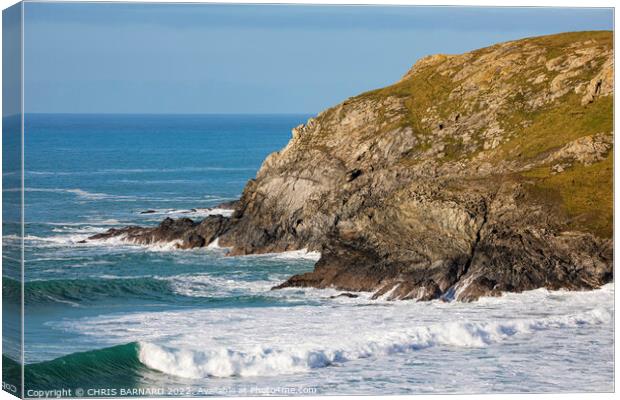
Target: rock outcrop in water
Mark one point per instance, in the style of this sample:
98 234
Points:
474 174
184 233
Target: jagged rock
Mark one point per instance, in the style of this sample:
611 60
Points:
557 168
601 84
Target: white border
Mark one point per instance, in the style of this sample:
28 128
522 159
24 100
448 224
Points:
480 3
23 208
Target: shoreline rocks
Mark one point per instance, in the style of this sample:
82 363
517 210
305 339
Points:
183 232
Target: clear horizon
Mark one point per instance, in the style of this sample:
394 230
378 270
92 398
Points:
197 59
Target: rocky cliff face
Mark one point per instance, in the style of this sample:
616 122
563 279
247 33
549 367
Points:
474 174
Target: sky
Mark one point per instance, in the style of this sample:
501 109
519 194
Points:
201 58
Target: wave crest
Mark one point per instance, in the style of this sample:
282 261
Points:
269 361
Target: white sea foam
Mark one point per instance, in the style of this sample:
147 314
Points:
299 254
192 213
271 360
285 340
203 285
215 244
123 240
95 222
215 211
85 229
54 241
99 196
81 240
84 195
289 255
80 193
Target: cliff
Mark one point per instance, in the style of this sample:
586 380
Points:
474 174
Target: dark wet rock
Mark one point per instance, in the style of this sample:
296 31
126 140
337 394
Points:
346 294
228 205
193 240
212 227
148 212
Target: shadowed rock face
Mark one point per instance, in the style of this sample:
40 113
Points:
475 174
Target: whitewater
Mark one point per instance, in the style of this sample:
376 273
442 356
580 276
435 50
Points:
156 319
294 340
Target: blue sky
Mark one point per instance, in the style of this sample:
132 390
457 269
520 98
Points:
200 58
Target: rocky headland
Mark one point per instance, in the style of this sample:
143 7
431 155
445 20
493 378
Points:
474 174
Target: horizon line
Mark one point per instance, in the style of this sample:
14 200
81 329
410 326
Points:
156 114
167 113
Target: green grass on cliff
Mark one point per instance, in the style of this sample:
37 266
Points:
554 126
583 193
420 92
556 44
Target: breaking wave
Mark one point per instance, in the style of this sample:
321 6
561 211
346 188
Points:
193 212
269 361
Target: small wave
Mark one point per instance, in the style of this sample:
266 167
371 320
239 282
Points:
82 194
273 360
79 238
100 196
56 241
75 291
212 286
302 254
194 212
122 171
124 241
105 222
84 229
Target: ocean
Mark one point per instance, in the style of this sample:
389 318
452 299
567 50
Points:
108 318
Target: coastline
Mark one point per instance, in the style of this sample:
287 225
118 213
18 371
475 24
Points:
424 194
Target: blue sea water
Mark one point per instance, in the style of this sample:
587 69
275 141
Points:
139 320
